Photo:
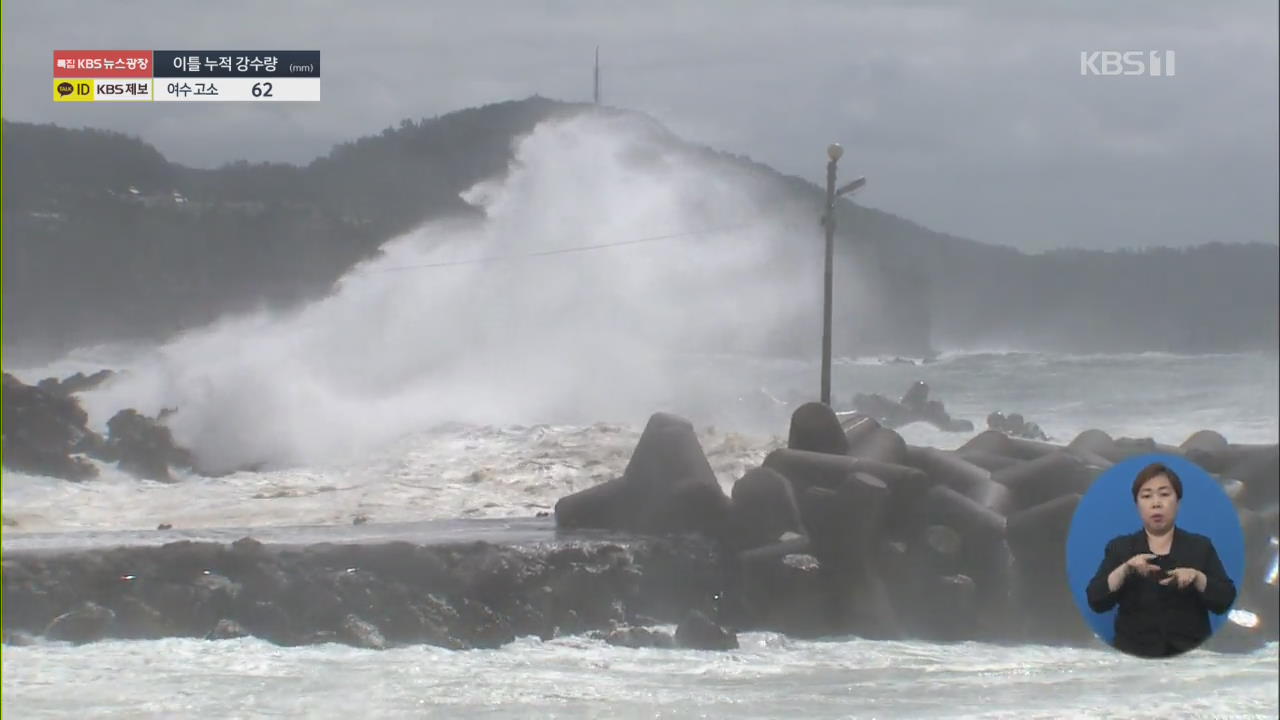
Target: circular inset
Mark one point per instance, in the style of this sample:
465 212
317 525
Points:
1155 555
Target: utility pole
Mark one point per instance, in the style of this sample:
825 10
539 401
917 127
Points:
834 151
595 93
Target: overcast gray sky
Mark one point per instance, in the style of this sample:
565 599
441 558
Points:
970 118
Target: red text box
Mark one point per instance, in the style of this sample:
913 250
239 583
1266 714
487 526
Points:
102 63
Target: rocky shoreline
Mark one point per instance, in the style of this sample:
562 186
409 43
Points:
471 595
847 531
47 433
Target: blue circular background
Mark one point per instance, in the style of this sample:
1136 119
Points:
1108 510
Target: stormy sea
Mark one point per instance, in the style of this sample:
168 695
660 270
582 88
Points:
437 395
458 470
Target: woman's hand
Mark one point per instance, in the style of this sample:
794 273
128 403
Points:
1141 564
1182 577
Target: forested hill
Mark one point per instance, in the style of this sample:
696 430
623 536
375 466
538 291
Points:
105 240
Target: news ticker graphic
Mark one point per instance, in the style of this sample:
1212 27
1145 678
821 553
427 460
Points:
186 75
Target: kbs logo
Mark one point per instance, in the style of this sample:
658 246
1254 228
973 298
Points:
106 90
102 63
1156 63
72 90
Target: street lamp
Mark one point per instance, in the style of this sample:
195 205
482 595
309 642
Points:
834 151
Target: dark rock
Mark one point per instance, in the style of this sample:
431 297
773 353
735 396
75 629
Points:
686 507
570 624
1211 451
437 616
361 633
1224 459
668 487
1038 534
988 441
46 432
671 577
843 523
915 406
318 637
1015 426
667 453
42 430
249 547
529 617
780 587
267 620
1124 448
815 427
87 623
974 522
764 507
227 630
999 443
1208 442
989 461
1096 442
809 469
638 637
75 383
481 627
164 526
944 541
846 527
217 586
450 595
962 476
699 632
857 427
983 554
952 607
1045 611
605 506
1045 478
1091 459
880 444
907 485
144 447
137 620
916 396
905 567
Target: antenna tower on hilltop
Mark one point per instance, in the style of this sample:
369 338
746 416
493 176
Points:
595 93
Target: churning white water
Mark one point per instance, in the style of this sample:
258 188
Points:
768 677
471 471
494 471
410 339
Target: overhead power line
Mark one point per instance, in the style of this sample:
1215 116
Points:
561 251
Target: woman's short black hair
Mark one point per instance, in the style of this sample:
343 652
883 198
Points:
1153 470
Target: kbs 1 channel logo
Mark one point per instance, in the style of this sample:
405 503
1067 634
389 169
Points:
1149 63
